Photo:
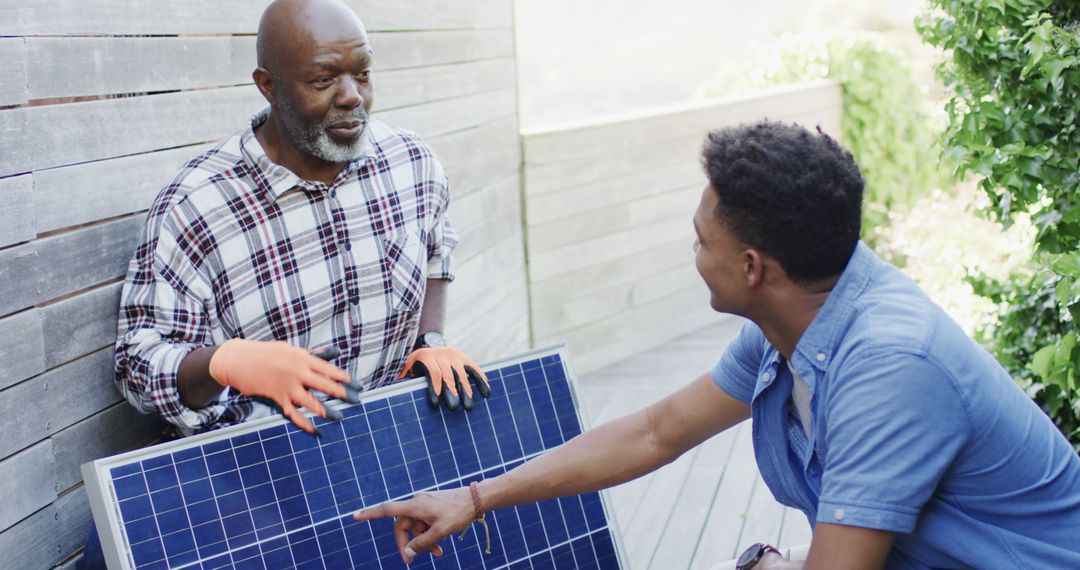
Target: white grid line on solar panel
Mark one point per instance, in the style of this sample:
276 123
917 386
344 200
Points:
237 553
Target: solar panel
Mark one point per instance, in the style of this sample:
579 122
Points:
267 495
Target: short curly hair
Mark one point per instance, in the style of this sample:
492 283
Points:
791 193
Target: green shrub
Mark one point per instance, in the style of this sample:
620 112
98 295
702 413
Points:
1012 72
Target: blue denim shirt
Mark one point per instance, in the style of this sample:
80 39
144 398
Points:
915 429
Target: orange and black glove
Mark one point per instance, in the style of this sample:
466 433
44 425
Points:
451 376
281 375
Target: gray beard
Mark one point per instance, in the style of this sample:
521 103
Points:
316 142
313 140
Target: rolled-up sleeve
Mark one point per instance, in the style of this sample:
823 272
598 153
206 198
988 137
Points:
736 371
895 424
442 237
162 319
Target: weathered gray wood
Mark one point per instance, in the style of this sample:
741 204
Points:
14 152
544 177
16 210
477 276
683 529
67 67
603 135
426 49
83 193
48 268
492 338
401 88
621 271
472 145
720 535
796 530
43 405
164 17
563 259
117 429
487 217
27 483
451 115
577 228
94 17
552 319
70 564
59 135
764 518
12 71
22 351
80 324
613 191
600 343
48 536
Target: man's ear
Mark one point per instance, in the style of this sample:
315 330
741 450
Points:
753 267
264 83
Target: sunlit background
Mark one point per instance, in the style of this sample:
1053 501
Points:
582 61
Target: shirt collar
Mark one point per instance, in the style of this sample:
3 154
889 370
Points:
279 179
818 344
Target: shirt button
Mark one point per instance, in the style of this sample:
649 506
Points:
348 246
839 514
821 357
354 301
766 377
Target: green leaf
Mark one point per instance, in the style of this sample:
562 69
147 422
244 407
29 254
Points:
1043 359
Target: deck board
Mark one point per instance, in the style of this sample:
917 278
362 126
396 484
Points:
706 506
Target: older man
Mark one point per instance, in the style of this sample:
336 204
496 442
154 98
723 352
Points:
316 227
904 443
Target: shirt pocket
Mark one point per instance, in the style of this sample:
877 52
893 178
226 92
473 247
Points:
406 269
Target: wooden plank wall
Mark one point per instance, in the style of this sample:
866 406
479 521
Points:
608 220
100 102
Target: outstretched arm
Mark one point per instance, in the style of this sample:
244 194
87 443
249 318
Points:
613 453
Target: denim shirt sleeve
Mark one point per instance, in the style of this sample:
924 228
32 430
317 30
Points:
736 371
894 423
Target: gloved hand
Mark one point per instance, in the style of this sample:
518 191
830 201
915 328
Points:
283 374
450 375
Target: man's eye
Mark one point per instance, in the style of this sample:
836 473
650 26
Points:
324 81
364 76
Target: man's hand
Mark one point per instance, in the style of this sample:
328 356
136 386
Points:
450 375
283 374
427 518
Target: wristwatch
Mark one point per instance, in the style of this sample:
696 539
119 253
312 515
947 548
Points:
751 556
430 339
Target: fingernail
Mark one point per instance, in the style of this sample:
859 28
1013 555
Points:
410 554
352 395
333 414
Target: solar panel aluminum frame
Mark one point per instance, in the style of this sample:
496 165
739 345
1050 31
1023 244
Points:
104 503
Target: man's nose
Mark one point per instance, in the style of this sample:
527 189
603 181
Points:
348 95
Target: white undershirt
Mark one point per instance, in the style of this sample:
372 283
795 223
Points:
800 396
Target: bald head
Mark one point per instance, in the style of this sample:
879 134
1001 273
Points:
315 71
293 27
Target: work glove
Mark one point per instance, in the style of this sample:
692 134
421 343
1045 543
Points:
281 375
451 376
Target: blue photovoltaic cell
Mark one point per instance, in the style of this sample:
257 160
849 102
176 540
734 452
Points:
279 498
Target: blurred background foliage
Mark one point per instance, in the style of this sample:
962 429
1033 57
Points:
1012 79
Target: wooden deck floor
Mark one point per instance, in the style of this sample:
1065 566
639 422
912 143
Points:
711 503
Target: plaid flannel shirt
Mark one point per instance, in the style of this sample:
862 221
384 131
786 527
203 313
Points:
237 246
